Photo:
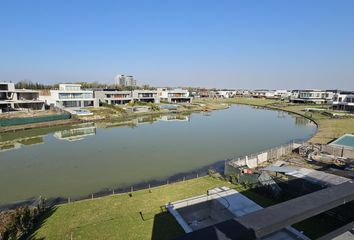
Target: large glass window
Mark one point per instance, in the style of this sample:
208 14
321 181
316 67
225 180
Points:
72 88
72 104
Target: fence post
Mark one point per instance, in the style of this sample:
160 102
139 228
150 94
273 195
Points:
113 191
92 196
197 175
68 199
184 178
149 188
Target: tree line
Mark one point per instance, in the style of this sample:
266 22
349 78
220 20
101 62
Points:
27 84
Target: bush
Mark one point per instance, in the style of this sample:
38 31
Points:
114 107
154 107
15 224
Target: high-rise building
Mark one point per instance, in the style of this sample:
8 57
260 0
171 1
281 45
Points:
123 80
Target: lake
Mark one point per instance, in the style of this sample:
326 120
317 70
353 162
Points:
77 160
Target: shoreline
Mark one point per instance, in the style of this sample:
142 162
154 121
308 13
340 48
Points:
117 119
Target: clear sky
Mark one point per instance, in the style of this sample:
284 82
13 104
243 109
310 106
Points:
219 43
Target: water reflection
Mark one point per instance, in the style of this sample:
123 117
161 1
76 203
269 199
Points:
77 132
175 118
19 142
301 121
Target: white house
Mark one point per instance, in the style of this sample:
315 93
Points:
277 94
177 95
18 99
313 96
146 96
343 100
114 97
225 94
70 96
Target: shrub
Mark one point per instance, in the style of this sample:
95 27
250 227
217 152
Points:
15 224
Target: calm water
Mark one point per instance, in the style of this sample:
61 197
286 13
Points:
78 160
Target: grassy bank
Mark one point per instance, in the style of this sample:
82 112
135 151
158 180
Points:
143 216
328 128
118 114
118 216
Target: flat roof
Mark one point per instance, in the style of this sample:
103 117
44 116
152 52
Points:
268 220
234 202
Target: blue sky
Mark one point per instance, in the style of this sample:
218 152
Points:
224 44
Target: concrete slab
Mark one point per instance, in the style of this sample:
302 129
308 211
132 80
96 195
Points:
311 175
232 201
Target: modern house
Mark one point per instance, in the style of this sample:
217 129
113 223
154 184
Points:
313 96
344 101
174 96
18 99
114 97
70 96
277 94
146 96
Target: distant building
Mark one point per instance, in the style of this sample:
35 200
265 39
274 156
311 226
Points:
278 94
225 94
125 81
18 99
243 93
259 93
344 101
174 95
70 96
313 96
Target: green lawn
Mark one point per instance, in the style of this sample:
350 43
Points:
245 101
118 217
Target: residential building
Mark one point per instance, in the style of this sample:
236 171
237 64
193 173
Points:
18 99
259 93
126 81
278 94
313 96
146 96
70 96
344 101
114 97
225 94
204 93
177 95
243 93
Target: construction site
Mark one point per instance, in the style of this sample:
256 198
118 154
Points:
307 185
